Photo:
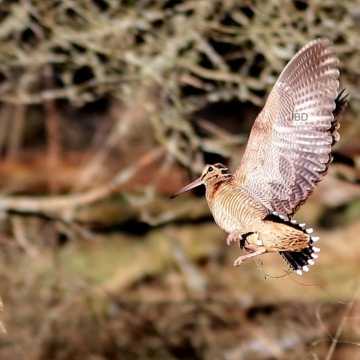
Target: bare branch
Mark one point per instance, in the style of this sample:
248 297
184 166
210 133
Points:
71 201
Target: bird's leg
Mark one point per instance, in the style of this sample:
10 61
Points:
255 250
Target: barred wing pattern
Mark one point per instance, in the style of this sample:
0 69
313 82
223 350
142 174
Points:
289 148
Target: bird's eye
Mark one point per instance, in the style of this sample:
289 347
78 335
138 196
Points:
210 169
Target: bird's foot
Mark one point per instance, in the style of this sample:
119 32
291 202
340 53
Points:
255 251
235 237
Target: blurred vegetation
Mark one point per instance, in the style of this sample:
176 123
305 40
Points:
185 54
107 107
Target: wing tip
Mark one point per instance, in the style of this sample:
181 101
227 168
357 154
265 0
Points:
341 102
321 41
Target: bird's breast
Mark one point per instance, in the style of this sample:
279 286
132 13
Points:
235 210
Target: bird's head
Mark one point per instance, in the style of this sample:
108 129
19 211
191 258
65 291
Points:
211 175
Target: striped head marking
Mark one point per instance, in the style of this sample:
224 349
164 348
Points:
211 175
215 173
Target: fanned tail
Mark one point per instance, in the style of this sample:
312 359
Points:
298 261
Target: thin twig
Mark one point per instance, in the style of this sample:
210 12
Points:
340 328
194 280
52 123
21 236
16 134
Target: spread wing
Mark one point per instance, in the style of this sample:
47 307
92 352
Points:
289 148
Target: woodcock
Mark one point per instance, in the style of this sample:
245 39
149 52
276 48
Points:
287 154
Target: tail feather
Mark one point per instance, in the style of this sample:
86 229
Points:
298 261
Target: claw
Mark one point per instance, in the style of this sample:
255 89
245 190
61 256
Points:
238 261
233 237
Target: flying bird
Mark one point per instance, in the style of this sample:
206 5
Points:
287 154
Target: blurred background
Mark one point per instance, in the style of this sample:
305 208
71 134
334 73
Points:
107 107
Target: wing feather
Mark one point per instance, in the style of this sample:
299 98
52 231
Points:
289 148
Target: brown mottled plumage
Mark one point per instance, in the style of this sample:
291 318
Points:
288 152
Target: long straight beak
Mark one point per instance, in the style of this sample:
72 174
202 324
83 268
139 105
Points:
188 187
